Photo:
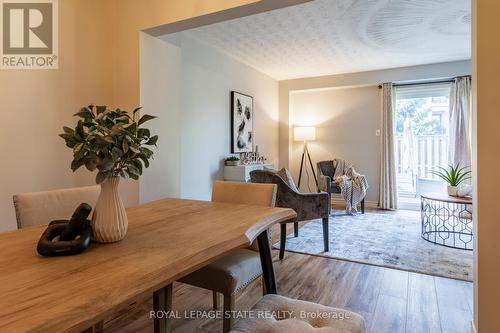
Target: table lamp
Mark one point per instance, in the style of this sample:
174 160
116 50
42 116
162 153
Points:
305 134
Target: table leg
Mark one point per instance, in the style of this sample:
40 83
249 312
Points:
266 261
162 301
97 328
282 240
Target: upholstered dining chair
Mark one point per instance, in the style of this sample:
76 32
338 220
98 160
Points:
230 274
333 320
308 206
42 207
37 208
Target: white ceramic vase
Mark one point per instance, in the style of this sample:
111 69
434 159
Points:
109 222
453 190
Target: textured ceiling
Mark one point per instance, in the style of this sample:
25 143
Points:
341 36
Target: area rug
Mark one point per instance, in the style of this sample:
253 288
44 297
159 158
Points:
388 239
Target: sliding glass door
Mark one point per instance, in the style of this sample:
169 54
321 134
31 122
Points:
422 139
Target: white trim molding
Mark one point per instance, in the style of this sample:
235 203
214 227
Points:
368 203
472 327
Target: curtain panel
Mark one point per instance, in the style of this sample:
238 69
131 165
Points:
388 198
460 136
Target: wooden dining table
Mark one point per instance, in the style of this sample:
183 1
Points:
166 240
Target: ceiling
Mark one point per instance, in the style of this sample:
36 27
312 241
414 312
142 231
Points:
325 37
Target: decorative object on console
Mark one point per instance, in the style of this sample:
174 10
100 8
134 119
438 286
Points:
241 123
454 175
74 235
113 143
232 160
305 133
252 157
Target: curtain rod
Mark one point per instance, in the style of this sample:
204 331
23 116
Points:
426 82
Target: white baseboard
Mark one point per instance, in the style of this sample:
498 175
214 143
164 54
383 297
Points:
341 202
409 206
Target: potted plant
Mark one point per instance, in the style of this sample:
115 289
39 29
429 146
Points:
232 160
113 143
454 176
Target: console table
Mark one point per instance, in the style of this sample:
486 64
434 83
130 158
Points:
447 220
241 173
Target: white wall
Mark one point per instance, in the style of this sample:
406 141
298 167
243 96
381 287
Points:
346 120
187 84
208 76
160 66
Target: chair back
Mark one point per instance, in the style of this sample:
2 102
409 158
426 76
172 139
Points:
247 194
244 193
269 177
326 168
263 176
308 206
272 177
42 207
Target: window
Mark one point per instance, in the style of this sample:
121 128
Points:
422 137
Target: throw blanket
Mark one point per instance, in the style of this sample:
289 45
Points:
352 185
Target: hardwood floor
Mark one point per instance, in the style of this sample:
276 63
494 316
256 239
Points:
390 300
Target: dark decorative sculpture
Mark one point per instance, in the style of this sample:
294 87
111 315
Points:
63 237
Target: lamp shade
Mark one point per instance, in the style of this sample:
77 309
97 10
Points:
304 133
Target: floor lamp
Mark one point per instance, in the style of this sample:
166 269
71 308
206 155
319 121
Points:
305 133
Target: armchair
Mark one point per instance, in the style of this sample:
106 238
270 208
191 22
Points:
326 173
308 206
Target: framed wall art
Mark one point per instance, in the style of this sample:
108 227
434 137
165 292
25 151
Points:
241 123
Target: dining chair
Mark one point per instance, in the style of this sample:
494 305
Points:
230 274
333 320
308 206
37 208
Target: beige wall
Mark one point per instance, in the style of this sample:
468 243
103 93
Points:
423 72
346 120
487 142
36 104
346 109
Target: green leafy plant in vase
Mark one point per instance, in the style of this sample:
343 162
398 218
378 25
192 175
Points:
454 176
113 143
